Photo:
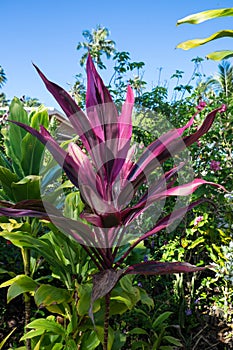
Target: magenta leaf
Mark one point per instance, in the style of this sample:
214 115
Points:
60 155
161 268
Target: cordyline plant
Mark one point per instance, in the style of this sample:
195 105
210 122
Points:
108 180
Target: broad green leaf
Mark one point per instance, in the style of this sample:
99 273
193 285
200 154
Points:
58 346
126 284
27 188
15 279
100 334
139 345
138 331
73 205
51 174
205 16
70 345
39 117
47 326
15 134
47 295
161 318
145 299
23 239
84 294
119 340
90 341
18 285
119 307
141 312
172 340
190 44
6 179
32 152
220 55
32 334
124 298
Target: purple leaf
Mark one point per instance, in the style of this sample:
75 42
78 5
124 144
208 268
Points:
178 146
61 156
77 118
161 268
129 214
162 224
103 283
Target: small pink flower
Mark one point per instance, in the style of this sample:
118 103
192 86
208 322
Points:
201 105
215 165
197 220
199 143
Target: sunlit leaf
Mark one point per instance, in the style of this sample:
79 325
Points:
47 295
18 285
47 326
205 16
6 338
220 55
190 44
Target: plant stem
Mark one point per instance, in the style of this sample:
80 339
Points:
27 299
106 320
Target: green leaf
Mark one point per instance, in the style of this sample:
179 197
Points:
27 188
220 55
47 295
3 271
73 205
32 152
190 44
172 340
11 225
70 345
90 341
6 179
16 134
100 334
32 334
6 338
118 307
139 345
145 299
47 326
40 117
84 295
58 346
205 16
161 318
123 298
138 331
18 285
198 241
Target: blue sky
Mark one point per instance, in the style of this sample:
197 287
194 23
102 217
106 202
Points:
47 32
